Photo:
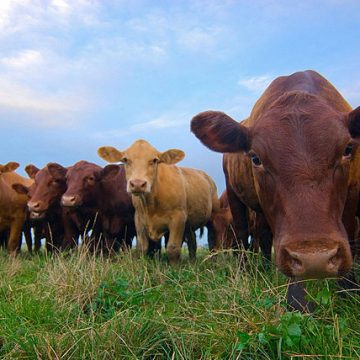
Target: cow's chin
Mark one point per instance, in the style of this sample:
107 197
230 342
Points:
37 215
139 193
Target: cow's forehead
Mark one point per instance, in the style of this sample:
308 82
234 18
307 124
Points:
141 149
315 126
83 169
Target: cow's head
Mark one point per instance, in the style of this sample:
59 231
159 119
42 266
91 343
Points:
141 163
301 151
81 180
47 189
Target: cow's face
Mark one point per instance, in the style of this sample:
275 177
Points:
82 184
141 162
300 151
47 189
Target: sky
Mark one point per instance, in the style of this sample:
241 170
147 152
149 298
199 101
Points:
79 74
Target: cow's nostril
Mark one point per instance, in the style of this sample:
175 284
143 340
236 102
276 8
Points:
296 264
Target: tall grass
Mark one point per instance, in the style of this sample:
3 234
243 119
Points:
88 307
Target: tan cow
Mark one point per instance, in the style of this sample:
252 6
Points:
166 197
12 205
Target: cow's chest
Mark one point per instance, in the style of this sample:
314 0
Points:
156 226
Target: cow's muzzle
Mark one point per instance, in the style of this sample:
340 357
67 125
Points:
315 262
137 186
69 200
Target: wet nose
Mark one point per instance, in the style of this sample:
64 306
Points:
319 264
34 206
137 185
68 200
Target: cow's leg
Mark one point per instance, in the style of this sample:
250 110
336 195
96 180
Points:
154 249
28 237
15 235
176 234
192 246
126 244
71 234
142 242
240 220
350 221
37 236
265 236
296 298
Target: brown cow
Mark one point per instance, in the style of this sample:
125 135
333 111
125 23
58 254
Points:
165 197
44 195
12 205
115 208
296 159
80 207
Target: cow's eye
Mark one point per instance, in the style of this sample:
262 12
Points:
124 160
154 161
348 151
255 159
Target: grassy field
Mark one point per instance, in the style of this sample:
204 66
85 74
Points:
84 307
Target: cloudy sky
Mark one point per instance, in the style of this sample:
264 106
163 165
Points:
78 74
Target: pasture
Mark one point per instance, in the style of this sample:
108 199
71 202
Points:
82 306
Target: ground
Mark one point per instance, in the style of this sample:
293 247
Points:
86 307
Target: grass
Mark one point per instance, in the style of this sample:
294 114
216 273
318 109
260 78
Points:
85 307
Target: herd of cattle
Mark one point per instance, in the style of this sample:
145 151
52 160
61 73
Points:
292 171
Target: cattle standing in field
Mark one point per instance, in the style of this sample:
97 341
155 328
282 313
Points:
115 208
44 207
167 198
12 205
296 160
80 207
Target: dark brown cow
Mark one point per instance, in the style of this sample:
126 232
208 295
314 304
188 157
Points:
44 195
115 208
296 159
81 215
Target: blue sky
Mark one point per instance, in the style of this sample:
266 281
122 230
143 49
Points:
79 74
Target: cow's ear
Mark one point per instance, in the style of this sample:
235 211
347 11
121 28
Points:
31 170
171 156
110 154
20 189
109 171
219 132
354 123
10 166
56 170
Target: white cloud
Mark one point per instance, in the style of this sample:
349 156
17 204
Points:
165 121
42 109
24 59
256 83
